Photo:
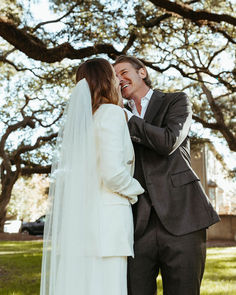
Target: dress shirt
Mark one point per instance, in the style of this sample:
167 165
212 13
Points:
144 104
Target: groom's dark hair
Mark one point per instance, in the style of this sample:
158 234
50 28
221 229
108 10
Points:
136 63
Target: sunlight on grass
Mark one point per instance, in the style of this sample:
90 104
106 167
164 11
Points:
220 273
20 265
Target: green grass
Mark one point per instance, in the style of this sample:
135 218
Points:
20 265
220 272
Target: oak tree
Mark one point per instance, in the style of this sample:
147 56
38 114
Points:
187 46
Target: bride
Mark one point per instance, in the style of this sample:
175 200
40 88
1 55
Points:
89 227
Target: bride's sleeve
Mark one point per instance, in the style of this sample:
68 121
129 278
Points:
113 170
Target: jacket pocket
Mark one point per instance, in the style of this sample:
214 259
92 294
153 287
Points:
183 177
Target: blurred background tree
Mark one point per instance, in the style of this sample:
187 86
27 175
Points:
29 198
186 45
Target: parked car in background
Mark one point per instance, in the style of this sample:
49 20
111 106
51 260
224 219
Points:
12 226
34 228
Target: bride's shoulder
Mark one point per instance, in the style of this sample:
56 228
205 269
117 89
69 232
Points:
108 108
109 112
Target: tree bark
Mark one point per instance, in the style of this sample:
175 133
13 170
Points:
5 196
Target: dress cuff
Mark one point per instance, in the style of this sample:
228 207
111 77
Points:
133 200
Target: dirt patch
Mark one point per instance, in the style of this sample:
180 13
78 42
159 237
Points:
18 237
221 243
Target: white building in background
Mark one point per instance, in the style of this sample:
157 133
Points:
214 176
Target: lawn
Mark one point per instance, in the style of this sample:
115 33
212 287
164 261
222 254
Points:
20 265
220 272
20 269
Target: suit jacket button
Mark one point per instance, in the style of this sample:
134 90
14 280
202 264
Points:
136 139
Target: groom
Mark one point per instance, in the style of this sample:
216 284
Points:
171 218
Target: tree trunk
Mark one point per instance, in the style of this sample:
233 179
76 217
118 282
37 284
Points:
5 196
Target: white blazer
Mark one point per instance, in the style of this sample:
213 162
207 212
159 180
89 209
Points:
115 162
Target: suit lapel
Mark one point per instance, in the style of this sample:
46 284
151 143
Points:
154 105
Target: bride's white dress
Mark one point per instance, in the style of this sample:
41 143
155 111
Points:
89 229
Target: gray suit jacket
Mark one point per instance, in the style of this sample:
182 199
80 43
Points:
163 167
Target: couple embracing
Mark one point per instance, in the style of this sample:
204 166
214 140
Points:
125 202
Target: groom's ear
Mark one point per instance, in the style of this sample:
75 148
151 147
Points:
142 73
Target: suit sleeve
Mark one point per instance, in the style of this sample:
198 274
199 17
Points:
114 172
164 140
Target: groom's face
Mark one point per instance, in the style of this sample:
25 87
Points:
131 79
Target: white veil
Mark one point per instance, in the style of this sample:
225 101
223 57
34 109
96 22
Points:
71 232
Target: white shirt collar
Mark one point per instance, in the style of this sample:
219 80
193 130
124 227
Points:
149 94
147 97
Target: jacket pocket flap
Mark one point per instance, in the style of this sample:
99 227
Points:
184 177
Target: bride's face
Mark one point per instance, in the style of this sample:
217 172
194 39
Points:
117 87
115 79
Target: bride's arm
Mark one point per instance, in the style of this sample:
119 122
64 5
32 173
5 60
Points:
113 169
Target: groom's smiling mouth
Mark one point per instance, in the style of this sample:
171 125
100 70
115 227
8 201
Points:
124 86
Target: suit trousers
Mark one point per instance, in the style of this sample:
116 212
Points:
179 259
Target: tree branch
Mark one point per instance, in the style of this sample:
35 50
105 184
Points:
36 170
162 70
130 42
56 20
192 1
219 117
36 49
28 148
187 12
214 54
205 124
18 69
156 21
27 121
222 32
52 123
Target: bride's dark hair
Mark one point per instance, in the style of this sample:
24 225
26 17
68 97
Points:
101 80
